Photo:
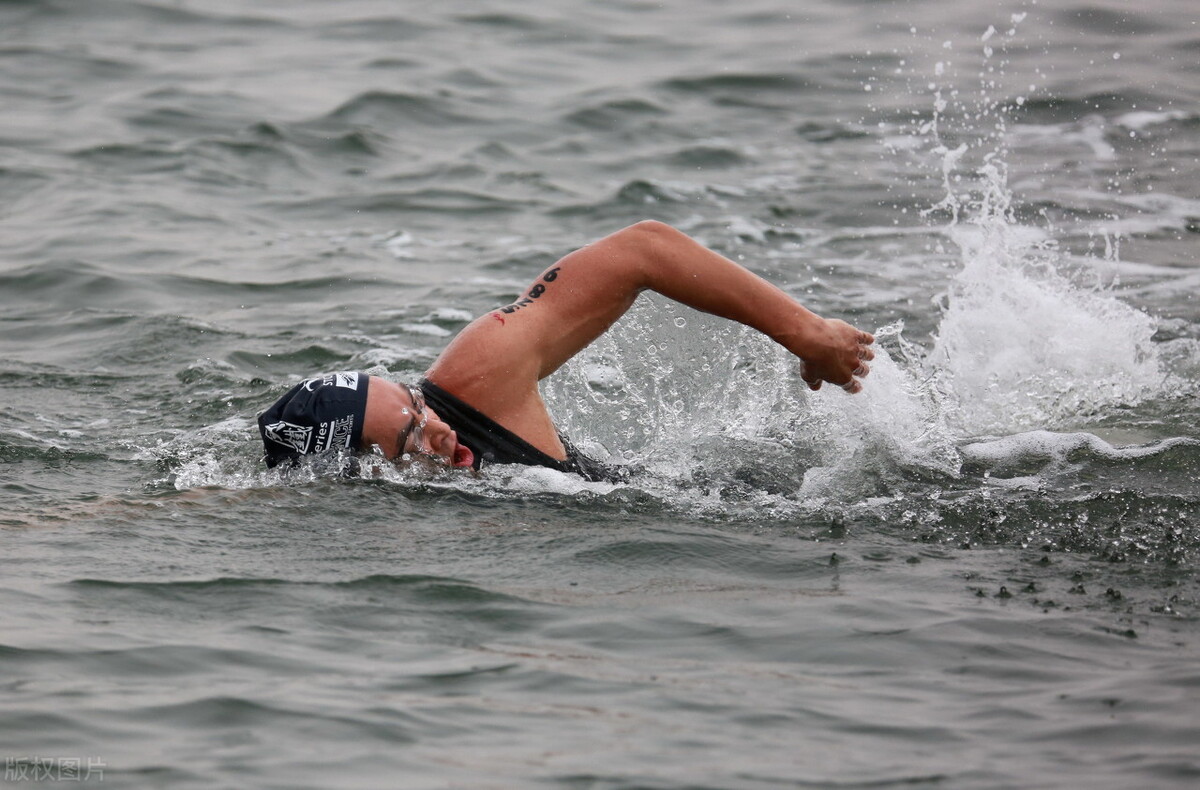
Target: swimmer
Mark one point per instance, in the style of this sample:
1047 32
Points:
479 403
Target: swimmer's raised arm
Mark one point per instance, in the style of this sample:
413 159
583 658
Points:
578 298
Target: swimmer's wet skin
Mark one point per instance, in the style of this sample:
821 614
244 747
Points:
479 402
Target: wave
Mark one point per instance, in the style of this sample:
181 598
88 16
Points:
70 285
631 201
123 13
1099 21
1033 452
422 585
726 85
437 200
390 29
615 114
384 110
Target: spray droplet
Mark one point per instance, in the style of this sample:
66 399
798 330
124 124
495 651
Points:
681 322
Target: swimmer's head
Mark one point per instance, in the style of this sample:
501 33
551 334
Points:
334 413
315 416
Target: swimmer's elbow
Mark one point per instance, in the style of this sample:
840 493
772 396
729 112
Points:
646 245
650 234
653 227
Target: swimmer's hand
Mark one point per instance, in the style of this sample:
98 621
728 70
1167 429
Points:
830 350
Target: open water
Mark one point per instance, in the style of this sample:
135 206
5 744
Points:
980 573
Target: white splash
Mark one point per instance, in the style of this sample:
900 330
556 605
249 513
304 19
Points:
722 414
1020 345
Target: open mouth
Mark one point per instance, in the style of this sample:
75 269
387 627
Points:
462 456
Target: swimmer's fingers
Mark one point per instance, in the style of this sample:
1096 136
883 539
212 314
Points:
854 386
811 379
865 355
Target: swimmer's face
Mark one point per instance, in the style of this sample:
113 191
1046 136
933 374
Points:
399 422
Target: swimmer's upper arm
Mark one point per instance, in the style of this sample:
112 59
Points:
502 355
574 301
495 363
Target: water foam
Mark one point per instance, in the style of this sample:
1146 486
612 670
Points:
719 417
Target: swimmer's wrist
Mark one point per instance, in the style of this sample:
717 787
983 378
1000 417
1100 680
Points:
800 332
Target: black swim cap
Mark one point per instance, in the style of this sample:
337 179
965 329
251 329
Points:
314 416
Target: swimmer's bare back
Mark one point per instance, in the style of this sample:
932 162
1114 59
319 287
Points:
496 362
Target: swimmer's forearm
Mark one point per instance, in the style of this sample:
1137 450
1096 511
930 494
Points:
686 271
580 296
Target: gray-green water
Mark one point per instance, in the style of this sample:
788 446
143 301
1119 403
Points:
980 573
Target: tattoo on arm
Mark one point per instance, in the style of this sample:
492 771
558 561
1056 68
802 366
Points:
534 293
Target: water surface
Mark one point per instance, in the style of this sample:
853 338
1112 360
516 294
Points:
980 573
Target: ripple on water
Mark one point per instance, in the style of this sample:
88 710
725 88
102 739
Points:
386 111
440 201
